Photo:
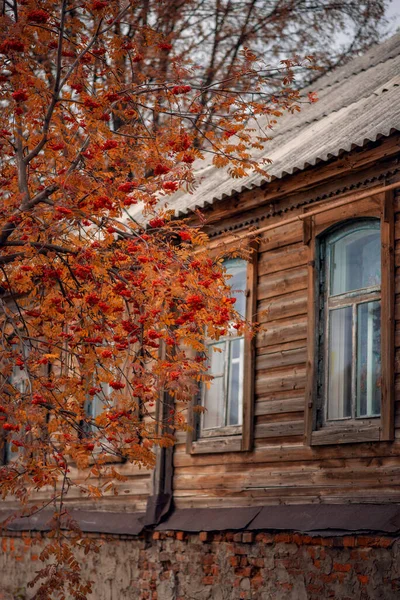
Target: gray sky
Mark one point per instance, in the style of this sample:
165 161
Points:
393 15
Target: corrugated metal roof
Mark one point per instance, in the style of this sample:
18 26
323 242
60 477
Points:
358 103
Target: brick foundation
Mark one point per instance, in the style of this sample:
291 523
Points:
224 566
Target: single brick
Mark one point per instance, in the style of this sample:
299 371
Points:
328 542
283 537
244 571
204 536
257 582
342 567
258 562
234 560
349 541
208 559
285 585
265 538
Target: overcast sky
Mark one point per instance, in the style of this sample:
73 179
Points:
394 14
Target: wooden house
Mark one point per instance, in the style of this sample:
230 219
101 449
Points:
302 429
320 390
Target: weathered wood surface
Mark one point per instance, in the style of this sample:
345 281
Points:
282 468
348 173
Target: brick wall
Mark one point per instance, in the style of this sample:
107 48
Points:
224 566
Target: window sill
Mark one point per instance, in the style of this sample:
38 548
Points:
228 431
347 434
232 443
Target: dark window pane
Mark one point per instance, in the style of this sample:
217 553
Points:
368 359
339 363
355 260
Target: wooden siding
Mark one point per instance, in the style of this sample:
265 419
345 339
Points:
282 468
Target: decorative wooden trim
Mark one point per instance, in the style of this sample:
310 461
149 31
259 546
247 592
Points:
244 440
311 332
307 230
346 435
163 470
382 430
191 432
217 444
249 352
387 317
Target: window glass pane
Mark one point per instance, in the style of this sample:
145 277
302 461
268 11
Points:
355 260
95 405
237 267
368 359
19 382
214 404
340 354
214 396
235 394
216 359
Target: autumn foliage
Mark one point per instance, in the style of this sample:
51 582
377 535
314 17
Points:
98 304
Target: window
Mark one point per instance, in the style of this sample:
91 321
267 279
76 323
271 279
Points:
94 406
223 399
18 381
352 312
350 390
226 424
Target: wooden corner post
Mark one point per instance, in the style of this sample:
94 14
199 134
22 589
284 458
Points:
249 353
387 318
309 240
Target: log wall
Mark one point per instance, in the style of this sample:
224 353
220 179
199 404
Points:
282 468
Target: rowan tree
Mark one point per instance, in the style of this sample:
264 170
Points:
101 111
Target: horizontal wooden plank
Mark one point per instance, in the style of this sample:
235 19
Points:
217 444
274 430
283 282
373 495
282 331
289 357
281 236
279 395
264 470
281 307
264 493
282 417
281 259
277 407
346 435
281 347
264 452
288 378
268 479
